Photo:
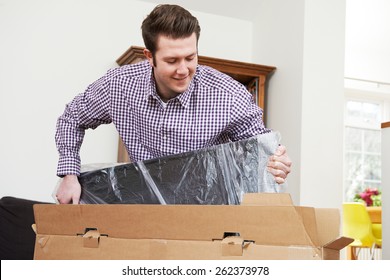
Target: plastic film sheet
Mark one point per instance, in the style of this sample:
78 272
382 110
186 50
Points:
217 175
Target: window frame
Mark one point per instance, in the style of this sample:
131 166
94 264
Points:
364 96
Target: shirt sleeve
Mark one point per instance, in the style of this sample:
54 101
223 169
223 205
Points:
87 110
246 117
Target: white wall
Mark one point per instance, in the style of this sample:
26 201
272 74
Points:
305 40
367 40
50 50
278 41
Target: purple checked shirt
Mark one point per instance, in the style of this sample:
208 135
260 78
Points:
214 109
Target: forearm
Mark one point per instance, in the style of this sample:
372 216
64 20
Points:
69 137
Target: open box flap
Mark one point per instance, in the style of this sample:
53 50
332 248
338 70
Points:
339 243
309 221
267 199
269 225
324 218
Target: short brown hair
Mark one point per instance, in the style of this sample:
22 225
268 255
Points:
168 20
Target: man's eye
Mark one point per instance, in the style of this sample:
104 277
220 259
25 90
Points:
171 61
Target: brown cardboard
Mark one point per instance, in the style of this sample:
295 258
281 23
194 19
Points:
265 226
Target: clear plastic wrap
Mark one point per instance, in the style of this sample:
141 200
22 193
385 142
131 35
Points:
217 175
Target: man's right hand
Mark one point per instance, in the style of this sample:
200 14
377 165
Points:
69 190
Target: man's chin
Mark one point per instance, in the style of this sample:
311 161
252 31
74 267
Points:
180 89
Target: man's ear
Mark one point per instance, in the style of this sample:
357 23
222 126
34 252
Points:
149 56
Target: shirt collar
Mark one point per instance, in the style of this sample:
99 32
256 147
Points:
183 98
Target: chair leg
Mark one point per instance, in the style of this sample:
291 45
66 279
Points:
372 251
357 252
351 253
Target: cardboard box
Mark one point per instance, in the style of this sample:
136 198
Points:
265 226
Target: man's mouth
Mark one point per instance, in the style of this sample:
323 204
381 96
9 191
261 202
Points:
181 79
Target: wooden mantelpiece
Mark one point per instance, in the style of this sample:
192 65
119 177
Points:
385 125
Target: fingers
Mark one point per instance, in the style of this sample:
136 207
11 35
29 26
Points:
280 180
69 190
71 200
281 150
279 165
279 175
62 199
75 199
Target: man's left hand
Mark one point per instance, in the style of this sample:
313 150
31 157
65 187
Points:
279 165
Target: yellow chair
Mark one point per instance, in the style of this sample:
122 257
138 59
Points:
357 225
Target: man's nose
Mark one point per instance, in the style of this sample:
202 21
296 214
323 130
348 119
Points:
182 68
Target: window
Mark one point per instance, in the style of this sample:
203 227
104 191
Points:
367 105
362 150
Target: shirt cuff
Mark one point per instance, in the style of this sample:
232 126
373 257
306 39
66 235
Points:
68 166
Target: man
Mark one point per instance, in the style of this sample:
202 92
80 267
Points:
164 105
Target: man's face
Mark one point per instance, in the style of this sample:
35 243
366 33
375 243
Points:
174 65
